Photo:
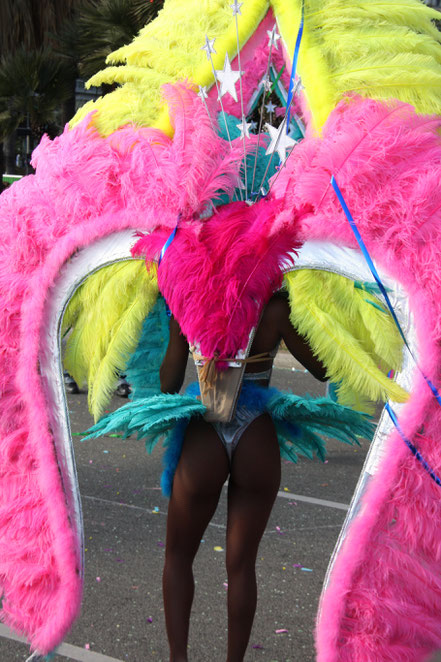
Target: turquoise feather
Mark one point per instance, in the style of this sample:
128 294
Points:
300 422
149 418
142 371
262 160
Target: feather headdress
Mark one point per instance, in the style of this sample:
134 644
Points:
217 275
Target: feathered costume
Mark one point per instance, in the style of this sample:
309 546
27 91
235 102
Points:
149 153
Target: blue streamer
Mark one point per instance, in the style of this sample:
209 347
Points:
367 257
169 241
374 272
294 66
161 256
413 449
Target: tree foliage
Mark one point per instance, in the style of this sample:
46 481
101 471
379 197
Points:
99 27
33 86
46 44
31 23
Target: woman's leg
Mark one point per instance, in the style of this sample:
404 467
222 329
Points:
200 475
253 486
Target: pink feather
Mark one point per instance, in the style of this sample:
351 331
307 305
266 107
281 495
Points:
216 276
384 598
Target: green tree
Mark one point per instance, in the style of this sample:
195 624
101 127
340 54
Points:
82 33
31 23
27 25
99 27
33 85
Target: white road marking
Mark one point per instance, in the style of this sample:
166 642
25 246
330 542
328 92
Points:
83 655
144 510
283 495
314 501
124 505
72 652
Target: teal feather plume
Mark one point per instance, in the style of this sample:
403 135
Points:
148 418
262 160
301 422
142 371
321 414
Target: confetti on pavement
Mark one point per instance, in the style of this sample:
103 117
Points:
281 631
218 548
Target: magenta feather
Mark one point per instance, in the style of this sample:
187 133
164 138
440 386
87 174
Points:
384 597
216 276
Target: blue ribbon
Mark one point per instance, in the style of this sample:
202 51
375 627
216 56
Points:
169 241
161 256
367 257
413 449
294 65
374 272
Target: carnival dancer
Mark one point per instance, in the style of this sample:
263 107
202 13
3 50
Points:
246 452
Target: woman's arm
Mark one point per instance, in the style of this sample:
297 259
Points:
297 344
172 371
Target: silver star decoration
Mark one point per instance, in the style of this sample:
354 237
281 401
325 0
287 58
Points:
244 128
209 47
253 126
236 8
202 94
228 79
280 141
273 38
270 107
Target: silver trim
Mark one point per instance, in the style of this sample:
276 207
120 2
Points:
106 251
116 247
350 263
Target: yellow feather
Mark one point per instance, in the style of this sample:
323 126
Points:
342 43
348 46
167 50
123 342
108 312
98 292
331 323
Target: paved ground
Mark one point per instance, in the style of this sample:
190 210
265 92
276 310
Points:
124 514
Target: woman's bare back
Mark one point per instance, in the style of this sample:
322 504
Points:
275 326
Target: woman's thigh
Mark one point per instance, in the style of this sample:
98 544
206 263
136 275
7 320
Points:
253 486
201 472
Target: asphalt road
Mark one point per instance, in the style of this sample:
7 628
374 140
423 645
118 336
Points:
124 513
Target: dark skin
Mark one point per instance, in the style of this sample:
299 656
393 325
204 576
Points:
254 479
